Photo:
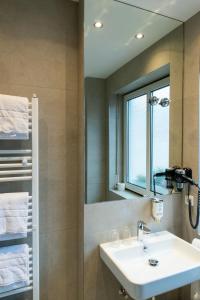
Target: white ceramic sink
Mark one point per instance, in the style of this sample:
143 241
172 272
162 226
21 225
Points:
179 264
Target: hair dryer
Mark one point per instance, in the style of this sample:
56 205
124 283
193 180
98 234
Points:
179 176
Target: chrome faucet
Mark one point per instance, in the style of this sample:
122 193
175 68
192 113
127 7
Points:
141 230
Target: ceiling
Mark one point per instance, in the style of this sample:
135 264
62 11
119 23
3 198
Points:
178 9
109 48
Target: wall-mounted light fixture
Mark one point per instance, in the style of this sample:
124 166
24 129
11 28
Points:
153 100
164 102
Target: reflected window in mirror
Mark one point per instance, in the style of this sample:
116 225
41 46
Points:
146 137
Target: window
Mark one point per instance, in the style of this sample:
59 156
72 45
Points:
146 138
136 167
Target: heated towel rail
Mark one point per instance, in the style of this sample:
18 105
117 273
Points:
22 165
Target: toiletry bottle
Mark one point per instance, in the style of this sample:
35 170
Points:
157 209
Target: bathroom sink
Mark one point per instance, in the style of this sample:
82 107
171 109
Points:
178 263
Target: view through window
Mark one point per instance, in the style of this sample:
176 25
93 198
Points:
146 137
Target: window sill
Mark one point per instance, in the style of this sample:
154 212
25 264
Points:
127 194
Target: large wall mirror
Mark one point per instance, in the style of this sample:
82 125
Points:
133 61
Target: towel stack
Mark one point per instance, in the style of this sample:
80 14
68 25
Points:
14 267
13 117
14 260
13 215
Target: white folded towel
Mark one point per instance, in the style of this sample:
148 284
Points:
2 226
16 225
13 117
13 215
14 265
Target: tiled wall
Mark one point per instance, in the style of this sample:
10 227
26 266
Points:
38 54
95 102
191 102
191 111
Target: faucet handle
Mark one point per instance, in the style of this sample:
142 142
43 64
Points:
141 224
146 230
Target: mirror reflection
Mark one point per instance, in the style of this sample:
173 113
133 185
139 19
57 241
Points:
133 99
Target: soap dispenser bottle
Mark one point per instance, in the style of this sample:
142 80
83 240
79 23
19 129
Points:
157 209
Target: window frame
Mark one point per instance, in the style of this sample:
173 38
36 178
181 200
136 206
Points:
146 90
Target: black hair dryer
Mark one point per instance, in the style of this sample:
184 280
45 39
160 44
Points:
176 177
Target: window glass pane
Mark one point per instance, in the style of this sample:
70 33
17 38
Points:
160 139
136 130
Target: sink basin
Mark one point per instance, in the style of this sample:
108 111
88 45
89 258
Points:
178 264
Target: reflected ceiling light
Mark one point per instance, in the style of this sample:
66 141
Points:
139 36
98 24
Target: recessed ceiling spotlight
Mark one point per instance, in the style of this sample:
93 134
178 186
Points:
98 24
139 36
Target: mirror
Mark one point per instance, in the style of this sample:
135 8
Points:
133 99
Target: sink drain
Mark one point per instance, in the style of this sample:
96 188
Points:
153 262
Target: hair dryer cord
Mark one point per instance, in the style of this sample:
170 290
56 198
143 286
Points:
194 226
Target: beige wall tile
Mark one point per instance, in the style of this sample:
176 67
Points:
59 267
191 116
38 54
42 31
